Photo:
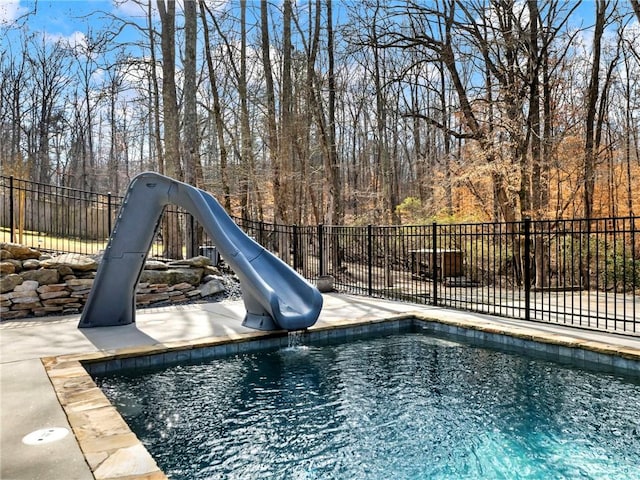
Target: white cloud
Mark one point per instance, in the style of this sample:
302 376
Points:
132 8
77 40
98 76
138 8
10 11
217 5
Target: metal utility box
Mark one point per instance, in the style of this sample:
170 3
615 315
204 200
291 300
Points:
448 263
211 252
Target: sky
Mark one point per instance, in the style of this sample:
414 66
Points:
69 20
60 19
65 17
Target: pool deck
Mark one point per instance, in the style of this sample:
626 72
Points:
28 401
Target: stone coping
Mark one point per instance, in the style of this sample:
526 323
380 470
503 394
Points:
113 452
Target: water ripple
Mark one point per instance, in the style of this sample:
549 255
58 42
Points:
403 407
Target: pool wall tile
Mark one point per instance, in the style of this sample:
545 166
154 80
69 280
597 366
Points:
321 335
142 362
591 357
626 364
197 354
114 365
550 346
551 351
170 357
129 362
233 348
184 355
99 368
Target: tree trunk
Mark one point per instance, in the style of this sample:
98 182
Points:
154 92
591 110
248 181
217 112
636 8
272 128
335 190
191 147
171 232
335 184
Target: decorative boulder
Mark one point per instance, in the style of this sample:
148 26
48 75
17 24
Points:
199 261
75 261
155 265
27 285
9 282
212 287
16 263
6 268
211 270
44 276
20 252
31 264
172 276
64 270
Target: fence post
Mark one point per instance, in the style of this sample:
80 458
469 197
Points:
192 234
11 224
434 263
527 269
296 263
321 249
370 259
108 214
260 232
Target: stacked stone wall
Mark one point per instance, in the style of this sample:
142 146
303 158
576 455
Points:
33 284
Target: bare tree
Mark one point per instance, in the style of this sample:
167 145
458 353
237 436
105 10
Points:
48 64
113 89
172 236
192 168
636 8
591 129
13 78
272 143
630 82
217 109
191 146
154 93
336 206
171 117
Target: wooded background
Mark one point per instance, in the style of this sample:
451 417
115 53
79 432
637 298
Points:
326 112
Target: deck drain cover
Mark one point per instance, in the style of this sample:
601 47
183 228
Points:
45 435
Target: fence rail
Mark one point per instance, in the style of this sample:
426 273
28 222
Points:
578 272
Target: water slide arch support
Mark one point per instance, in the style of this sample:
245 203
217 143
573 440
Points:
275 296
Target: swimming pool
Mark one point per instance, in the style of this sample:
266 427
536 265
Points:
404 406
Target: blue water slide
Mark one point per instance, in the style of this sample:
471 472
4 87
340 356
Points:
275 296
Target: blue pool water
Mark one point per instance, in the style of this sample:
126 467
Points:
407 406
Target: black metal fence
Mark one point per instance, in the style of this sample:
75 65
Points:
56 219
575 272
584 273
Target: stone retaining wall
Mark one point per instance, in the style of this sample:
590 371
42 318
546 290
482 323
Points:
36 284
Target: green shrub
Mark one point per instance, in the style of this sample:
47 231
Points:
622 273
